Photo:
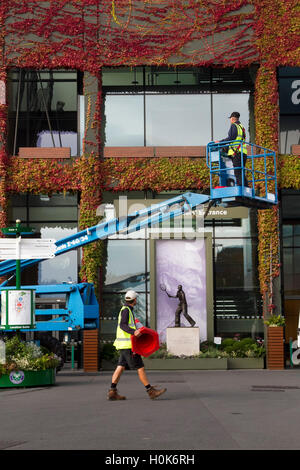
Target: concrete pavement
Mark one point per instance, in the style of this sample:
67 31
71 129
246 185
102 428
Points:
201 410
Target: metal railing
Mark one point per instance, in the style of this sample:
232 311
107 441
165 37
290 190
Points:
260 168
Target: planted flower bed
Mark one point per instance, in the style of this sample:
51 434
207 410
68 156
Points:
230 354
27 365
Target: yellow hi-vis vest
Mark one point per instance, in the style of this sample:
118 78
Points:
123 339
240 137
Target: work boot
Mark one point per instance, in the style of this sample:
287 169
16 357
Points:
154 393
113 395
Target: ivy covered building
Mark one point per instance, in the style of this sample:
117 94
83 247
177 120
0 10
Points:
103 99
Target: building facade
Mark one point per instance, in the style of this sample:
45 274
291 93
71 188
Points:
102 102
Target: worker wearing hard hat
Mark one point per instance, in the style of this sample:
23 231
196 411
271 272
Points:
237 134
125 329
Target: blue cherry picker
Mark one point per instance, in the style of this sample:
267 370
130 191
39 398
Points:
81 309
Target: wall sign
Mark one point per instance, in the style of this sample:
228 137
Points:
289 95
17 377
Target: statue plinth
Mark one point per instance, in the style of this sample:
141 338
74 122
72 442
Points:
183 341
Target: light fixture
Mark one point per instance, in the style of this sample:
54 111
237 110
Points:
177 81
44 197
134 82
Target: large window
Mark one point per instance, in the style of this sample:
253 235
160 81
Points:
291 258
289 102
127 268
52 217
290 203
43 109
168 107
237 298
291 242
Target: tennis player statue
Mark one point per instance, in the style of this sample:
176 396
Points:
182 306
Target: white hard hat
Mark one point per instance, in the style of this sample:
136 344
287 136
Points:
131 295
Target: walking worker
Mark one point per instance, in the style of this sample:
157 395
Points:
125 329
237 132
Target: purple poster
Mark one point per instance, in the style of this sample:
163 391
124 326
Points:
180 262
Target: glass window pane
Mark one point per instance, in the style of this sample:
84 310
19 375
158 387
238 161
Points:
18 200
171 77
125 265
43 207
234 228
287 235
122 76
52 213
62 268
66 93
240 255
291 269
297 235
246 327
223 105
112 303
54 200
289 133
19 213
36 92
290 205
124 120
237 303
178 120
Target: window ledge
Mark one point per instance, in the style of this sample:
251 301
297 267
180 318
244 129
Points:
295 149
144 152
45 152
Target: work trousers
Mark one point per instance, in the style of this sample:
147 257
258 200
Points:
237 163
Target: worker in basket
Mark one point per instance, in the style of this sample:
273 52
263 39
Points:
235 150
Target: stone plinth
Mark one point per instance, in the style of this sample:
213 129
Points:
183 341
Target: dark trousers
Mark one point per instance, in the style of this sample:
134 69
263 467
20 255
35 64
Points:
237 162
182 309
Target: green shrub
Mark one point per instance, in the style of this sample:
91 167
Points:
275 320
108 352
162 353
206 345
229 347
227 342
21 355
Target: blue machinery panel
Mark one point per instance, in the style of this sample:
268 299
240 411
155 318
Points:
81 307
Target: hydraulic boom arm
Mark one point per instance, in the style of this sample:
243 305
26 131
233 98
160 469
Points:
136 221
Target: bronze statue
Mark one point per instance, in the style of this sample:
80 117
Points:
182 306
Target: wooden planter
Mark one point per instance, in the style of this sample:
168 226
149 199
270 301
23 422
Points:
91 350
275 348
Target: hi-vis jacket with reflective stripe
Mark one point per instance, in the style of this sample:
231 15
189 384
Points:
123 339
241 135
